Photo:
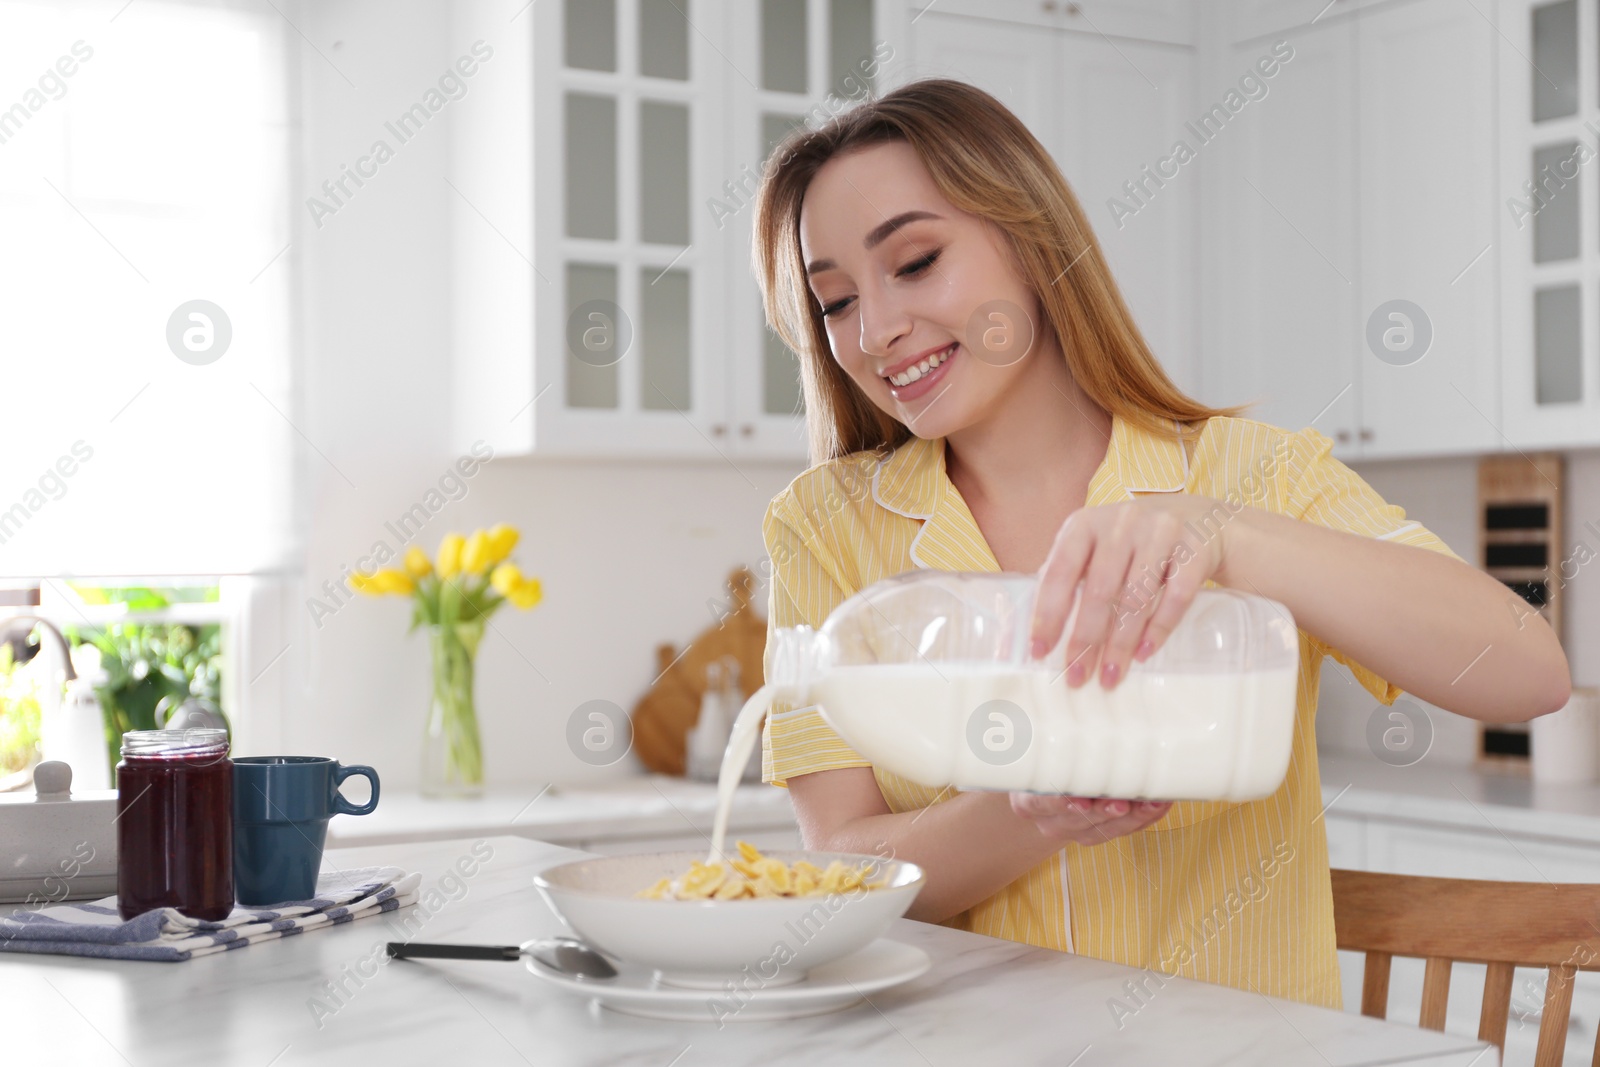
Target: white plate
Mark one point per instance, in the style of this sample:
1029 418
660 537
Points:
831 987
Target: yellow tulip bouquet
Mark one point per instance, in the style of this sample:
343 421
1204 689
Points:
453 596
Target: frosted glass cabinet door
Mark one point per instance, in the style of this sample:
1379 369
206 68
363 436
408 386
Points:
597 338
591 34
663 40
1557 345
629 96
1554 72
591 166
801 61
1549 224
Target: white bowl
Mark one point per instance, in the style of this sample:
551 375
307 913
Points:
706 944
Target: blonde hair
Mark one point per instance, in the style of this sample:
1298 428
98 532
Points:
986 163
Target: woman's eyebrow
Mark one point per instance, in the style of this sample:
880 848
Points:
876 236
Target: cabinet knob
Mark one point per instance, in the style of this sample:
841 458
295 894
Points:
1049 6
1074 10
719 430
1342 436
1366 434
747 430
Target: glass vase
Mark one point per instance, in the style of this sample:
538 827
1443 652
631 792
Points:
452 754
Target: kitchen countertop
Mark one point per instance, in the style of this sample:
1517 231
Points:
655 805
1459 797
985 1001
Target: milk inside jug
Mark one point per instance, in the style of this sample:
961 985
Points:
927 675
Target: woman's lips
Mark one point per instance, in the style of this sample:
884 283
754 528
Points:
925 383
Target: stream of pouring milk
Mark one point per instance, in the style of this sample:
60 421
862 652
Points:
741 742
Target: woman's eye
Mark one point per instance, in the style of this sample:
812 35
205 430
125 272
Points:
909 270
920 265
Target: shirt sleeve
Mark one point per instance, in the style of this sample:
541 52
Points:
1321 489
806 586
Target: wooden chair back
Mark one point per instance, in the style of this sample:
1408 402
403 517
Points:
1501 924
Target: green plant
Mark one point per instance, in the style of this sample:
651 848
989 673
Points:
145 663
19 714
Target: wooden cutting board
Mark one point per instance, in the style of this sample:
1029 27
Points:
668 711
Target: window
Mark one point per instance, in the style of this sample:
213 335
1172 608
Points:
146 410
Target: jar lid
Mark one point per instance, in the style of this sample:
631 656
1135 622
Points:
191 742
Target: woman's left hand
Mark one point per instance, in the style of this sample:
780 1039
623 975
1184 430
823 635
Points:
1141 562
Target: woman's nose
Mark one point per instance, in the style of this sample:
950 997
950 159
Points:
882 321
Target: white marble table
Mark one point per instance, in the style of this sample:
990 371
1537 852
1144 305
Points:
985 1001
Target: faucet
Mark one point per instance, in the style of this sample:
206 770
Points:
50 628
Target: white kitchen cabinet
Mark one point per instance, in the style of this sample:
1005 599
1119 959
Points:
1366 176
1347 841
617 314
1249 19
1549 115
1169 21
1285 253
1017 65
1146 223
1406 848
1142 91
1427 206
627 342
792 62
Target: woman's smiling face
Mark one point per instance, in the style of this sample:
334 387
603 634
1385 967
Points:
923 307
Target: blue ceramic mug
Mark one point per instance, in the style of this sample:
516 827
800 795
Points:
281 808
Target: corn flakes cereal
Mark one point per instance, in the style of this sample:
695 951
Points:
754 876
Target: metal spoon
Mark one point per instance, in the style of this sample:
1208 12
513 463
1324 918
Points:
567 955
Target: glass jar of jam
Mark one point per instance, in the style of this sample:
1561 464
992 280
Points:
175 823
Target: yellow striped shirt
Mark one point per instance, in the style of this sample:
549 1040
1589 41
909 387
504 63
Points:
1225 892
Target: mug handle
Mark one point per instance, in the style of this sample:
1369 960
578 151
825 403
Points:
341 806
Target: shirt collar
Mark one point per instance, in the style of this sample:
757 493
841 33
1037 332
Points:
912 482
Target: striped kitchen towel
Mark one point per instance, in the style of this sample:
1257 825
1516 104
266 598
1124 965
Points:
94 928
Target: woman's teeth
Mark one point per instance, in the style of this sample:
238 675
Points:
917 370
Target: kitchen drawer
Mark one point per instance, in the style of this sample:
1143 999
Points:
1347 841
762 839
1405 848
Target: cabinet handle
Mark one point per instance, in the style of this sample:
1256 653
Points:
1366 434
1342 436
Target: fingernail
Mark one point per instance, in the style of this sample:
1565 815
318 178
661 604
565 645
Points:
1145 648
1116 807
1038 648
1108 675
1075 674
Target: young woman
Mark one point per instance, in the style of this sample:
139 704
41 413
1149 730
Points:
979 398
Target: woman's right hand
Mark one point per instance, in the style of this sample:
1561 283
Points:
1087 820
